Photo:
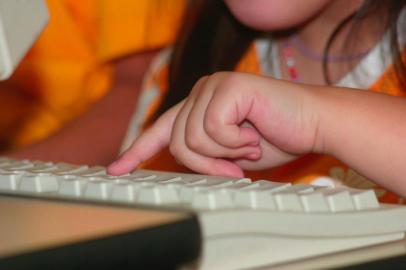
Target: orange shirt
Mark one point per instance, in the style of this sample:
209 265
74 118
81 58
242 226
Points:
69 68
311 168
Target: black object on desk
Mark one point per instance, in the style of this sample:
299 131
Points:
46 234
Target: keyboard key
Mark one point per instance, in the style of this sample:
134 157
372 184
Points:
177 184
275 186
72 186
41 182
9 180
42 168
187 191
152 178
170 179
338 199
259 195
75 170
58 168
5 160
314 202
364 199
98 189
158 194
288 199
193 179
125 191
236 186
92 171
143 173
212 199
18 167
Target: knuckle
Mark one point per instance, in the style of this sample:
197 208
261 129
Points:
203 79
219 75
175 150
193 142
212 125
231 81
195 137
199 85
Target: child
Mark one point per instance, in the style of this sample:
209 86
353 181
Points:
235 121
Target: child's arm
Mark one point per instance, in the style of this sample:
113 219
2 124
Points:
211 131
95 137
367 131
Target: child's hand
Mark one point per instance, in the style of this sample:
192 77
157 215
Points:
230 122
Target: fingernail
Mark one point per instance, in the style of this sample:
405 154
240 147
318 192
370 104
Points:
255 143
113 164
254 155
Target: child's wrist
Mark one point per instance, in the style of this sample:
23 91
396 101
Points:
328 105
316 106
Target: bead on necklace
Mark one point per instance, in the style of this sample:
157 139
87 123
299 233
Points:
287 53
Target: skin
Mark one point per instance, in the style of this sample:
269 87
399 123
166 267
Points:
236 121
272 15
86 140
286 120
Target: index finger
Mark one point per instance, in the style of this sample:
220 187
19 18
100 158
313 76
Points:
147 144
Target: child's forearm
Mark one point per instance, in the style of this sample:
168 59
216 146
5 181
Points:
366 130
95 137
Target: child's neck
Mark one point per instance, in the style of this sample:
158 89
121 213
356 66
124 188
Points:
316 32
314 35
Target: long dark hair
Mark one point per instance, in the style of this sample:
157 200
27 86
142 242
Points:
212 40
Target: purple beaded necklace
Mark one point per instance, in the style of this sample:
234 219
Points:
300 46
297 43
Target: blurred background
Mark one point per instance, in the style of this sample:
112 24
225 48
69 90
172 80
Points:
72 65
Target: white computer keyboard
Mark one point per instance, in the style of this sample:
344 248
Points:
244 224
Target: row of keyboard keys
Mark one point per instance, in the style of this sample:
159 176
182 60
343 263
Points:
187 190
